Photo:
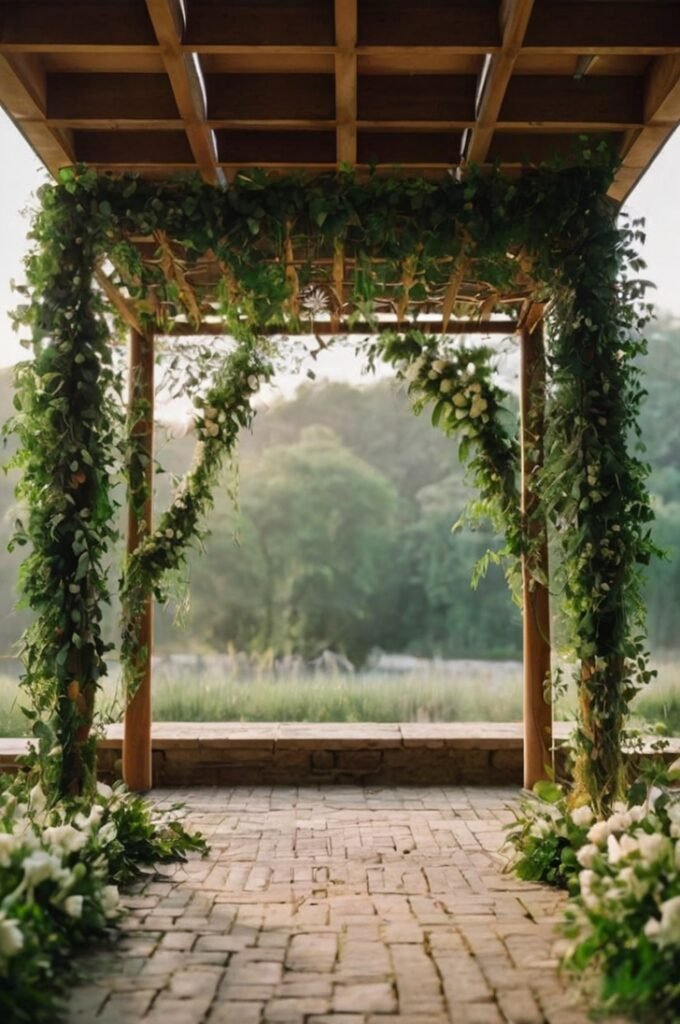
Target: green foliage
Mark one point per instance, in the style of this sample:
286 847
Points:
270 235
59 870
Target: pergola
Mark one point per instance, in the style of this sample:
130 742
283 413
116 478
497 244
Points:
167 86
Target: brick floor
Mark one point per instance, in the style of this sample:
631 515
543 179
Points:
358 906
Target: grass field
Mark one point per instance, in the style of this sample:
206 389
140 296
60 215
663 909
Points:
485 693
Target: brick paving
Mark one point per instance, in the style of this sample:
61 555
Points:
335 904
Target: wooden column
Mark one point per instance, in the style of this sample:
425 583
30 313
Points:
535 595
137 732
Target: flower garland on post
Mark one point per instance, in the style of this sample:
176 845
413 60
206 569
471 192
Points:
67 422
221 414
466 404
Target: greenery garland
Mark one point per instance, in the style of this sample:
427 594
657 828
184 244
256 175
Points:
406 240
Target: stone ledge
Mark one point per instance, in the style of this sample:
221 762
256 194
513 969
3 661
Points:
252 753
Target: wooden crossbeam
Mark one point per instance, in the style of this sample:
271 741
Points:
183 70
346 27
22 87
514 19
183 329
661 115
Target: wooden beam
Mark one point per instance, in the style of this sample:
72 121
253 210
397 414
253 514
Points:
346 81
123 306
167 18
604 27
514 19
22 90
75 27
661 115
183 329
137 767
535 593
556 100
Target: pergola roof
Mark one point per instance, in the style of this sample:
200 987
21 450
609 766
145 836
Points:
160 86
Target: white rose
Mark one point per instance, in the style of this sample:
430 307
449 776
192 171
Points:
8 845
669 930
476 387
598 832
587 854
478 406
619 820
210 412
628 845
461 414
459 399
637 813
110 900
614 852
212 429
470 368
446 386
40 866
11 939
582 816
67 837
652 847
73 906
439 365
652 928
253 382
169 534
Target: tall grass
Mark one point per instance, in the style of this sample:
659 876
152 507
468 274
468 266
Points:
483 694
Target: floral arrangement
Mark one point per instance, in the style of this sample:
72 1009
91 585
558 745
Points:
623 873
60 867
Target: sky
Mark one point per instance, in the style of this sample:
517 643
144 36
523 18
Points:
657 199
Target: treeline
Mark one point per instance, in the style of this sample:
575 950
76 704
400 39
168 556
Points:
341 533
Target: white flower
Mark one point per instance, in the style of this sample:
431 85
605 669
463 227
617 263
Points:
8 844
110 900
169 534
637 812
67 837
470 368
476 387
587 854
541 827
104 790
108 833
619 820
461 414
88 822
446 386
652 928
253 382
614 852
412 372
211 429
598 832
11 939
439 365
669 926
478 406
459 399
432 374
582 816
210 412
73 906
628 845
37 800
652 847
41 866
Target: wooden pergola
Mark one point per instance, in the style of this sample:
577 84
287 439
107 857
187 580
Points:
429 86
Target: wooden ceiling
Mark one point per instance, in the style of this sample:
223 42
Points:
160 86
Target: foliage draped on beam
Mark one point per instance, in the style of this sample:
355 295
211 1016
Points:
279 243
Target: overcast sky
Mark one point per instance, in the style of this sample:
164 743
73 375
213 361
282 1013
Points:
657 198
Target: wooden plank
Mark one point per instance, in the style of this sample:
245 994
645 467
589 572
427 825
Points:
662 90
167 18
535 595
638 158
427 98
137 722
249 148
131 148
120 98
408 148
553 99
604 27
514 18
467 24
75 26
270 97
22 93
215 25
533 147
346 81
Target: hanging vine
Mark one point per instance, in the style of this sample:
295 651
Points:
403 245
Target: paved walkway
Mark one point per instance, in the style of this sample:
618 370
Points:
336 904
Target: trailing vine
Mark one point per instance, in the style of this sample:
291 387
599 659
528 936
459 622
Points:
358 248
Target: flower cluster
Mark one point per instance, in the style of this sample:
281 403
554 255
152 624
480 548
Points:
60 867
624 875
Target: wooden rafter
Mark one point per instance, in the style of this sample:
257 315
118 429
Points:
514 19
183 70
346 80
23 94
124 307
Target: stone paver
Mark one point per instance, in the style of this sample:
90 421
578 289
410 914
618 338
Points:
344 904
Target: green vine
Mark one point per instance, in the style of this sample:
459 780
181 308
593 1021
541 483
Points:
281 245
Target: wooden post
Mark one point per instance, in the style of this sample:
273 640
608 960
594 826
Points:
137 731
535 595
